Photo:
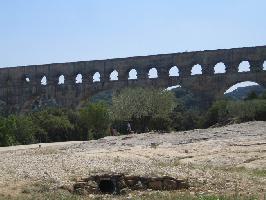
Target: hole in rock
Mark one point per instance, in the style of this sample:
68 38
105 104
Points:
117 183
107 186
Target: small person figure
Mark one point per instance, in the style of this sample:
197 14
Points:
128 128
112 133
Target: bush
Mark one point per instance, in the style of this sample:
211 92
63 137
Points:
222 112
7 137
248 110
184 119
16 130
260 109
217 113
53 124
95 120
146 109
143 106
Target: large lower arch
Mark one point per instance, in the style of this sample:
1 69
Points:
173 87
242 90
230 86
240 85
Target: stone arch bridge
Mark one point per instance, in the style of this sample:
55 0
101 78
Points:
21 87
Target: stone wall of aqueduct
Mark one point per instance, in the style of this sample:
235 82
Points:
20 87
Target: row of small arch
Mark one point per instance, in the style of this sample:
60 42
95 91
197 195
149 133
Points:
174 71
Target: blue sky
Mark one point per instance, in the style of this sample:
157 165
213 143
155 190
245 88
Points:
48 31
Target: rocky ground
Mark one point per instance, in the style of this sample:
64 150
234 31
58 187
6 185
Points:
224 160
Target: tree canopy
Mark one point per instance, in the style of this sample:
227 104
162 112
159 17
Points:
142 102
142 105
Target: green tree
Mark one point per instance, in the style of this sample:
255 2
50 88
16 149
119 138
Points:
217 113
53 124
79 132
263 95
183 118
242 110
23 128
16 130
260 109
95 119
7 137
144 107
248 110
251 95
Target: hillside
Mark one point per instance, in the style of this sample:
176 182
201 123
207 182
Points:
188 99
242 92
214 161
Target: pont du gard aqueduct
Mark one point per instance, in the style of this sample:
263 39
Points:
23 86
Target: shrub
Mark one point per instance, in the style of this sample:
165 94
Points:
52 124
143 106
95 119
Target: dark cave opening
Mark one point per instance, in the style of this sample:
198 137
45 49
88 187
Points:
107 186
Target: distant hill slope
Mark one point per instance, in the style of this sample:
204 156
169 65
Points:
104 96
242 92
188 99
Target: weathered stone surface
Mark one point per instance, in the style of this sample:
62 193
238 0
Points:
91 186
79 188
182 184
131 180
169 184
155 185
79 185
127 183
210 150
21 89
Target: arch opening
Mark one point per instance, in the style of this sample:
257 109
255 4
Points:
44 80
26 78
96 77
153 73
61 80
196 70
244 66
132 74
79 78
264 65
107 186
219 68
173 87
114 76
174 71
240 85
